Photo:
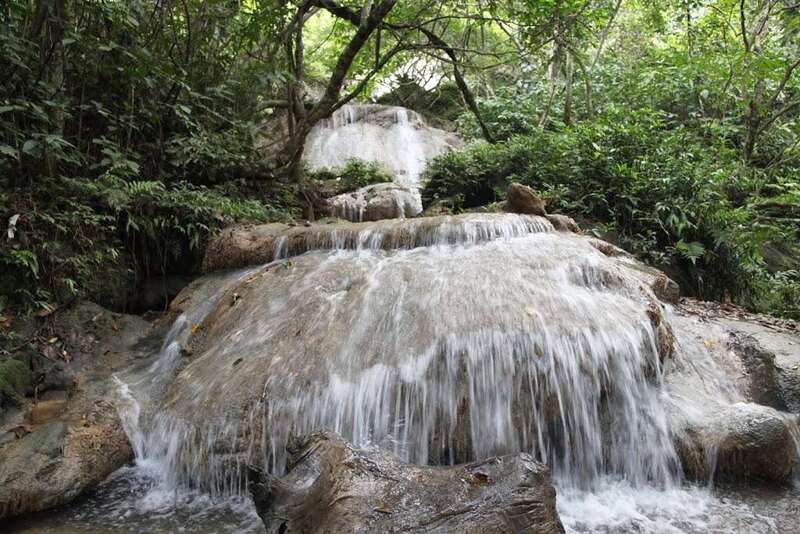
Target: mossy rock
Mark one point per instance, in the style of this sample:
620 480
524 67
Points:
15 381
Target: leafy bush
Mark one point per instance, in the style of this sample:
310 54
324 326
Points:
354 174
93 231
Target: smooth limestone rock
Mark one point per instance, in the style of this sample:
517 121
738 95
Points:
771 353
743 442
713 382
72 438
243 246
763 375
445 340
333 487
522 199
376 202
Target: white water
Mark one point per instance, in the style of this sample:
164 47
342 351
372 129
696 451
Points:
396 138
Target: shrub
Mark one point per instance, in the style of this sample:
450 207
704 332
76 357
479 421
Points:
355 173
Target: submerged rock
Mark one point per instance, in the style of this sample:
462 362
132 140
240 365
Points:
522 199
333 487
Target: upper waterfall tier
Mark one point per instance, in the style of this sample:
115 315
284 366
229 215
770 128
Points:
254 245
395 137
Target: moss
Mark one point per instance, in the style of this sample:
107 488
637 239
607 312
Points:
15 380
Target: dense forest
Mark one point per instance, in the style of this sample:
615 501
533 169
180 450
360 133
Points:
131 131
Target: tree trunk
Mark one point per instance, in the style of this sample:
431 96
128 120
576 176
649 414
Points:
371 17
568 69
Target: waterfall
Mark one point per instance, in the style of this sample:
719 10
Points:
473 337
151 486
442 340
395 137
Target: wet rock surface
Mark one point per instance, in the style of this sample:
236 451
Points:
376 202
244 246
333 487
738 425
356 341
745 443
522 199
68 438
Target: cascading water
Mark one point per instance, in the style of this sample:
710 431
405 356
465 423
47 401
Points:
474 336
443 353
397 138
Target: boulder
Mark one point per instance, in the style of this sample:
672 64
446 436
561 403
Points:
739 442
562 223
376 202
58 460
70 438
333 487
523 199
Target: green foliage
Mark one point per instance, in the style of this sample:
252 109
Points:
354 174
441 103
122 129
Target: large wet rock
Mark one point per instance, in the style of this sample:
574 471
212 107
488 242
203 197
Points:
724 386
333 487
69 438
741 442
376 202
522 199
443 354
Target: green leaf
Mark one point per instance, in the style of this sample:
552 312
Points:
29 146
691 251
9 151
